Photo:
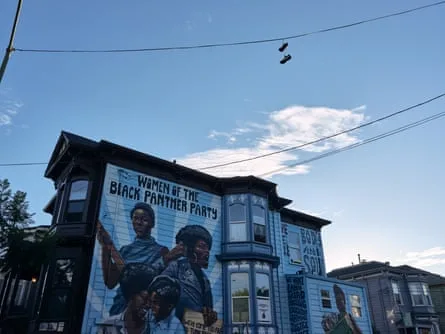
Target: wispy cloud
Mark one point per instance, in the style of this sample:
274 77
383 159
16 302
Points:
426 258
9 108
283 128
197 19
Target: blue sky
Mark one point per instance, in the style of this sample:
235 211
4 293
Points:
211 105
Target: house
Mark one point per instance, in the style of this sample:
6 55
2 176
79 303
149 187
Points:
399 297
228 253
16 310
436 284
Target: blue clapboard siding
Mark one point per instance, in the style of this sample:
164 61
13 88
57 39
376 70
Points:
115 216
316 311
279 278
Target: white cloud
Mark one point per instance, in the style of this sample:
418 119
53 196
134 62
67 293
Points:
5 119
426 258
284 128
8 108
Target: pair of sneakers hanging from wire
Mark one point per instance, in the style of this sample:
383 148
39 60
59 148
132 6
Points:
286 57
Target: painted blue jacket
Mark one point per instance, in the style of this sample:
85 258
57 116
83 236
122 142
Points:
193 297
146 251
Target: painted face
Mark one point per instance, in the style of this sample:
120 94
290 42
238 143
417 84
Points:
161 308
140 304
142 223
202 253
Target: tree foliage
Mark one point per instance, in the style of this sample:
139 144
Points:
22 250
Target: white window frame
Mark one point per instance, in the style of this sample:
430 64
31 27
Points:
233 237
296 247
356 304
396 291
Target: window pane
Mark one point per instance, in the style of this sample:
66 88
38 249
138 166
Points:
294 255
259 233
262 285
416 291
356 311
240 310
75 206
258 215
355 300
240 284
57 305
293 239
238 232
64 270
237 213
240 297
79 190
326 303
325 294
263 297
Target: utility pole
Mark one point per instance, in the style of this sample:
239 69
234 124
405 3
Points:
10 47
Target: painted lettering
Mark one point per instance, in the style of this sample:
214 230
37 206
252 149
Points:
125 191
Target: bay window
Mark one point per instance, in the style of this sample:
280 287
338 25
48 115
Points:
420 293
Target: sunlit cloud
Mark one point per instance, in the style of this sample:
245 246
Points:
426 258
288 127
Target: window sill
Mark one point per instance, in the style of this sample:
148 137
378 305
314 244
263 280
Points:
274 260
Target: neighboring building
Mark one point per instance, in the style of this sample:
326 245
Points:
399 297
16 313
437 290
250 265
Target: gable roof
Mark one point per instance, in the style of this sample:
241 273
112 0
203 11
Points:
363 267
300 218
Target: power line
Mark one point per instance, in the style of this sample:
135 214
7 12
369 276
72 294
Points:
327 137
23 164
366 141
214 45
283 150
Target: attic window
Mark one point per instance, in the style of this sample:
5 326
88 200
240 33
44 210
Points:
76 201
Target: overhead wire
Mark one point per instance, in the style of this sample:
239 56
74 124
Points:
355 145
23 164
316 141
286 149
215 45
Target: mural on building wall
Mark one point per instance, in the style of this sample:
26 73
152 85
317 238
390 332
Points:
303 246
312 250
154 268
340 322
297 305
